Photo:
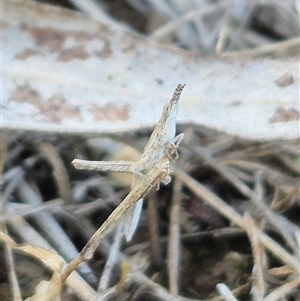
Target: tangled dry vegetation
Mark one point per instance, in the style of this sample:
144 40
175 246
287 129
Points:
188 240
225 228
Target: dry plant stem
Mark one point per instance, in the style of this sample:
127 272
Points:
95 10
290 149
174 240
283 290
158 291
139 279
112 259
283 271
223 31
290 164
218 204
221 40
244 189
241 175
258 285
286 202
17 177
288 230
278 222
254 197
170 27
59 172
155 245
16 210
221 145
159 172
272 173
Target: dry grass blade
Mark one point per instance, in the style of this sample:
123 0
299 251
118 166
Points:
281 271
253 166
17 210
158 291
258 286
283 183
244 189
172 26
283 290
28 234
59 172
51 228
287 201
96 10
219 205
284 227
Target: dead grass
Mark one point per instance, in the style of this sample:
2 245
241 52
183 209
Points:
192 235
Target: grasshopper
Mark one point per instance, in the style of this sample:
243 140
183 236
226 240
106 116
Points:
153 167
161 141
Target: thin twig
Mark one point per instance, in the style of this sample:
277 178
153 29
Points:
96 10
50 227
239 185
281 224
283 290
59 172
159 292
258 285
170 27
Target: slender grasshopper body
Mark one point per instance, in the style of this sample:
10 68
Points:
162 141
153 167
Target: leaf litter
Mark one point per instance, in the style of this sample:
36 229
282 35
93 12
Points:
227 224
